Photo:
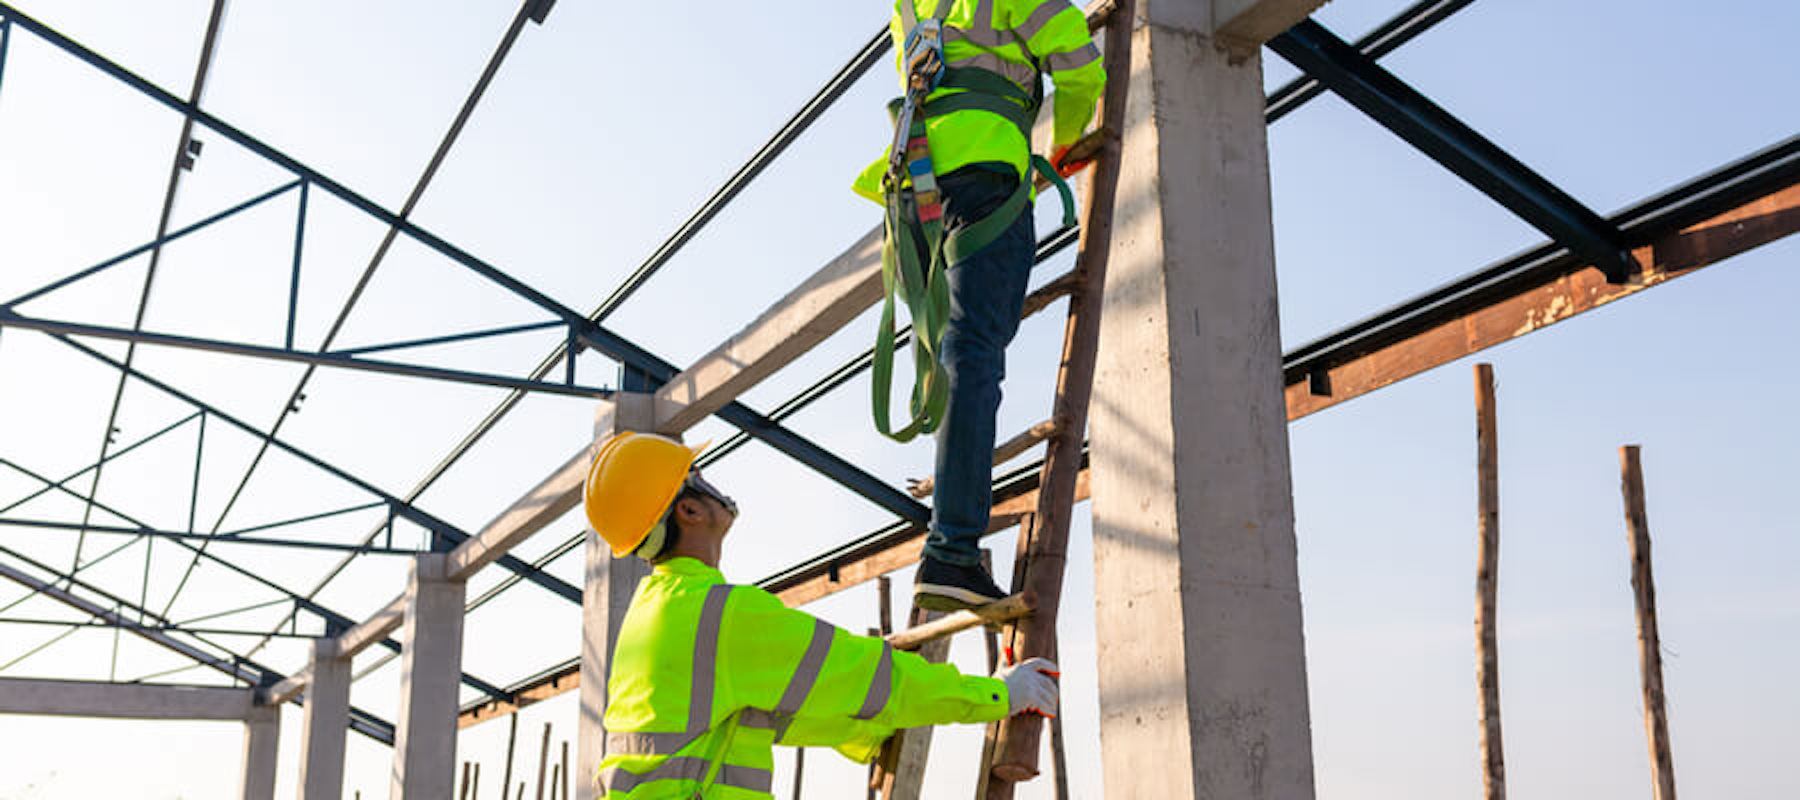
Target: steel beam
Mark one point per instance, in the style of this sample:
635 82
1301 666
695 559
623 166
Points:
590 334
450 533
180 628
233 665
1385 38
1732 188
150 245
332 618
305 544
341 360
1446 140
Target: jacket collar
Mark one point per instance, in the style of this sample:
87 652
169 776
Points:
686 567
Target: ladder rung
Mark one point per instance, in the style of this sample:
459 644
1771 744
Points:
1049 293
1003 610
1007 451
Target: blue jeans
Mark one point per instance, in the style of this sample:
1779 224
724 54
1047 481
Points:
987 293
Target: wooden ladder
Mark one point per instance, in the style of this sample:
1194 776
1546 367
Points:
1027 620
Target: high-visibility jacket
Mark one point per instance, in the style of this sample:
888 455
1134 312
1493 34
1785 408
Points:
1008 37
707 677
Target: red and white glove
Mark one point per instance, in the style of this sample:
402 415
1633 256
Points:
1030 686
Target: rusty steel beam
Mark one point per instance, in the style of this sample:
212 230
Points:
1535 307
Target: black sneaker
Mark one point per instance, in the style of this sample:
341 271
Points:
941 586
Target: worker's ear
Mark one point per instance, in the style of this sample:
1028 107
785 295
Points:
690 512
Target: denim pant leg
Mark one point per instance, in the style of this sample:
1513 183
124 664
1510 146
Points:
987 293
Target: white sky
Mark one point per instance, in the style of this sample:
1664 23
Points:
613 122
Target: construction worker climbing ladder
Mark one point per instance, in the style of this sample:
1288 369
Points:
707 677
956 190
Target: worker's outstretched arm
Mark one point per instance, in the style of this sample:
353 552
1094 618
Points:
1057 33
840 689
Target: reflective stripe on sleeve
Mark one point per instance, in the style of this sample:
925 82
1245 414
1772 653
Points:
706 658
1046 11
984 16
689 768
1057 62
805 675
881 686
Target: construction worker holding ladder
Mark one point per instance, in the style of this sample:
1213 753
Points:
707 677
960 240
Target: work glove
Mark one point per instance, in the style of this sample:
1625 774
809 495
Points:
1067 170
1030 686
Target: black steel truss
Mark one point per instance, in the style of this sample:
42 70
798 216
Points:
1445 139
238 667
334 622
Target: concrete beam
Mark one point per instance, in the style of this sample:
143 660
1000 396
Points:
1241 26
123 700
606 593
547 502
262 742
430 675
326 719
806 316
1201 661
374 629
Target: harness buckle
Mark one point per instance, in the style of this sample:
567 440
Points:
924 55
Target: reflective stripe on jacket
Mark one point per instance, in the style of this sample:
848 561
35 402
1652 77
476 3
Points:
1004 36
707 672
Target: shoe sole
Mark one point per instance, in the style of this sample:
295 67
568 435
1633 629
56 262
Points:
938 597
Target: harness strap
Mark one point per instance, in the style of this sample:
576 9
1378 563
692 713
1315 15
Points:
917 252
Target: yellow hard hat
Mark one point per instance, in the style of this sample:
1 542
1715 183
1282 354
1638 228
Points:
633 480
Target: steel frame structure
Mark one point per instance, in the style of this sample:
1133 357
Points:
1578 238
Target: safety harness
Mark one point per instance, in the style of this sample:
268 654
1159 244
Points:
917 251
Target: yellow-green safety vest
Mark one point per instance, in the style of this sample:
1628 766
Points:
1005 37
707 677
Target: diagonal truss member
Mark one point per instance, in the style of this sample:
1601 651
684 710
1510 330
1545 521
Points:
1445 139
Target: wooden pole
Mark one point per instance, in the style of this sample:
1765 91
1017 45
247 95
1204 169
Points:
1643 587
799 770
1487 662
463 792
543 761
512 738
885 594
1043 556
564 783
475 783
1059 760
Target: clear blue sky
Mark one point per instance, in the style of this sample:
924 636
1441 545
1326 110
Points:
613 122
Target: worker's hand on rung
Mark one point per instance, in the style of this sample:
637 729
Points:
1031 686
1060 160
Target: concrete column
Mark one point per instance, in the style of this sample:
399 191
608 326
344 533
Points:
605 595
262 737
326 720
1201 662
430 674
